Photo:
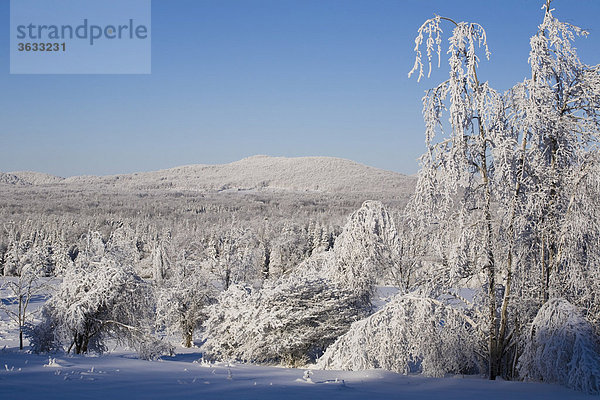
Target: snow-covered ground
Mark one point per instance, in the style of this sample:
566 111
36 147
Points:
120 375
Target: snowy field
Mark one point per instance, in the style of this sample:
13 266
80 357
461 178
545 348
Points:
120 375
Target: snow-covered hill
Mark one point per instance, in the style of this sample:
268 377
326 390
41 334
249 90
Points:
304 174
12 179
37 178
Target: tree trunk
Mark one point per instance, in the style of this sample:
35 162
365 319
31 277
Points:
493 323
188 335
227 277
81 343
549 244
491 275
489 262
509 264
77 344
188 341
267 262
21 321
545 286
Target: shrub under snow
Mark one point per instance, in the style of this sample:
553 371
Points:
410 334
290 322
563 348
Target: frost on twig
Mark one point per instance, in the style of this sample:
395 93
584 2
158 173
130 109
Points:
465 38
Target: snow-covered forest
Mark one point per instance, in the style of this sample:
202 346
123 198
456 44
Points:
485 265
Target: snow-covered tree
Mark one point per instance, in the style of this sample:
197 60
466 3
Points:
289 249
122 246
182 300
100 300
290 322
579 246
21 290
160 261
555 116
62 257
555 130
232 255
497 178
366 251
12 259
463 162
293 319
91 247
410 334
562 347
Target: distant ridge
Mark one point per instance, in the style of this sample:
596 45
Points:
257 173
12 179
37 178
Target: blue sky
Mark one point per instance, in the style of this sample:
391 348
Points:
231 79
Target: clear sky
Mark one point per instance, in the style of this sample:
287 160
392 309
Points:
235 78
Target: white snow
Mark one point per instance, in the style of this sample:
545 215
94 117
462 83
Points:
121 376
